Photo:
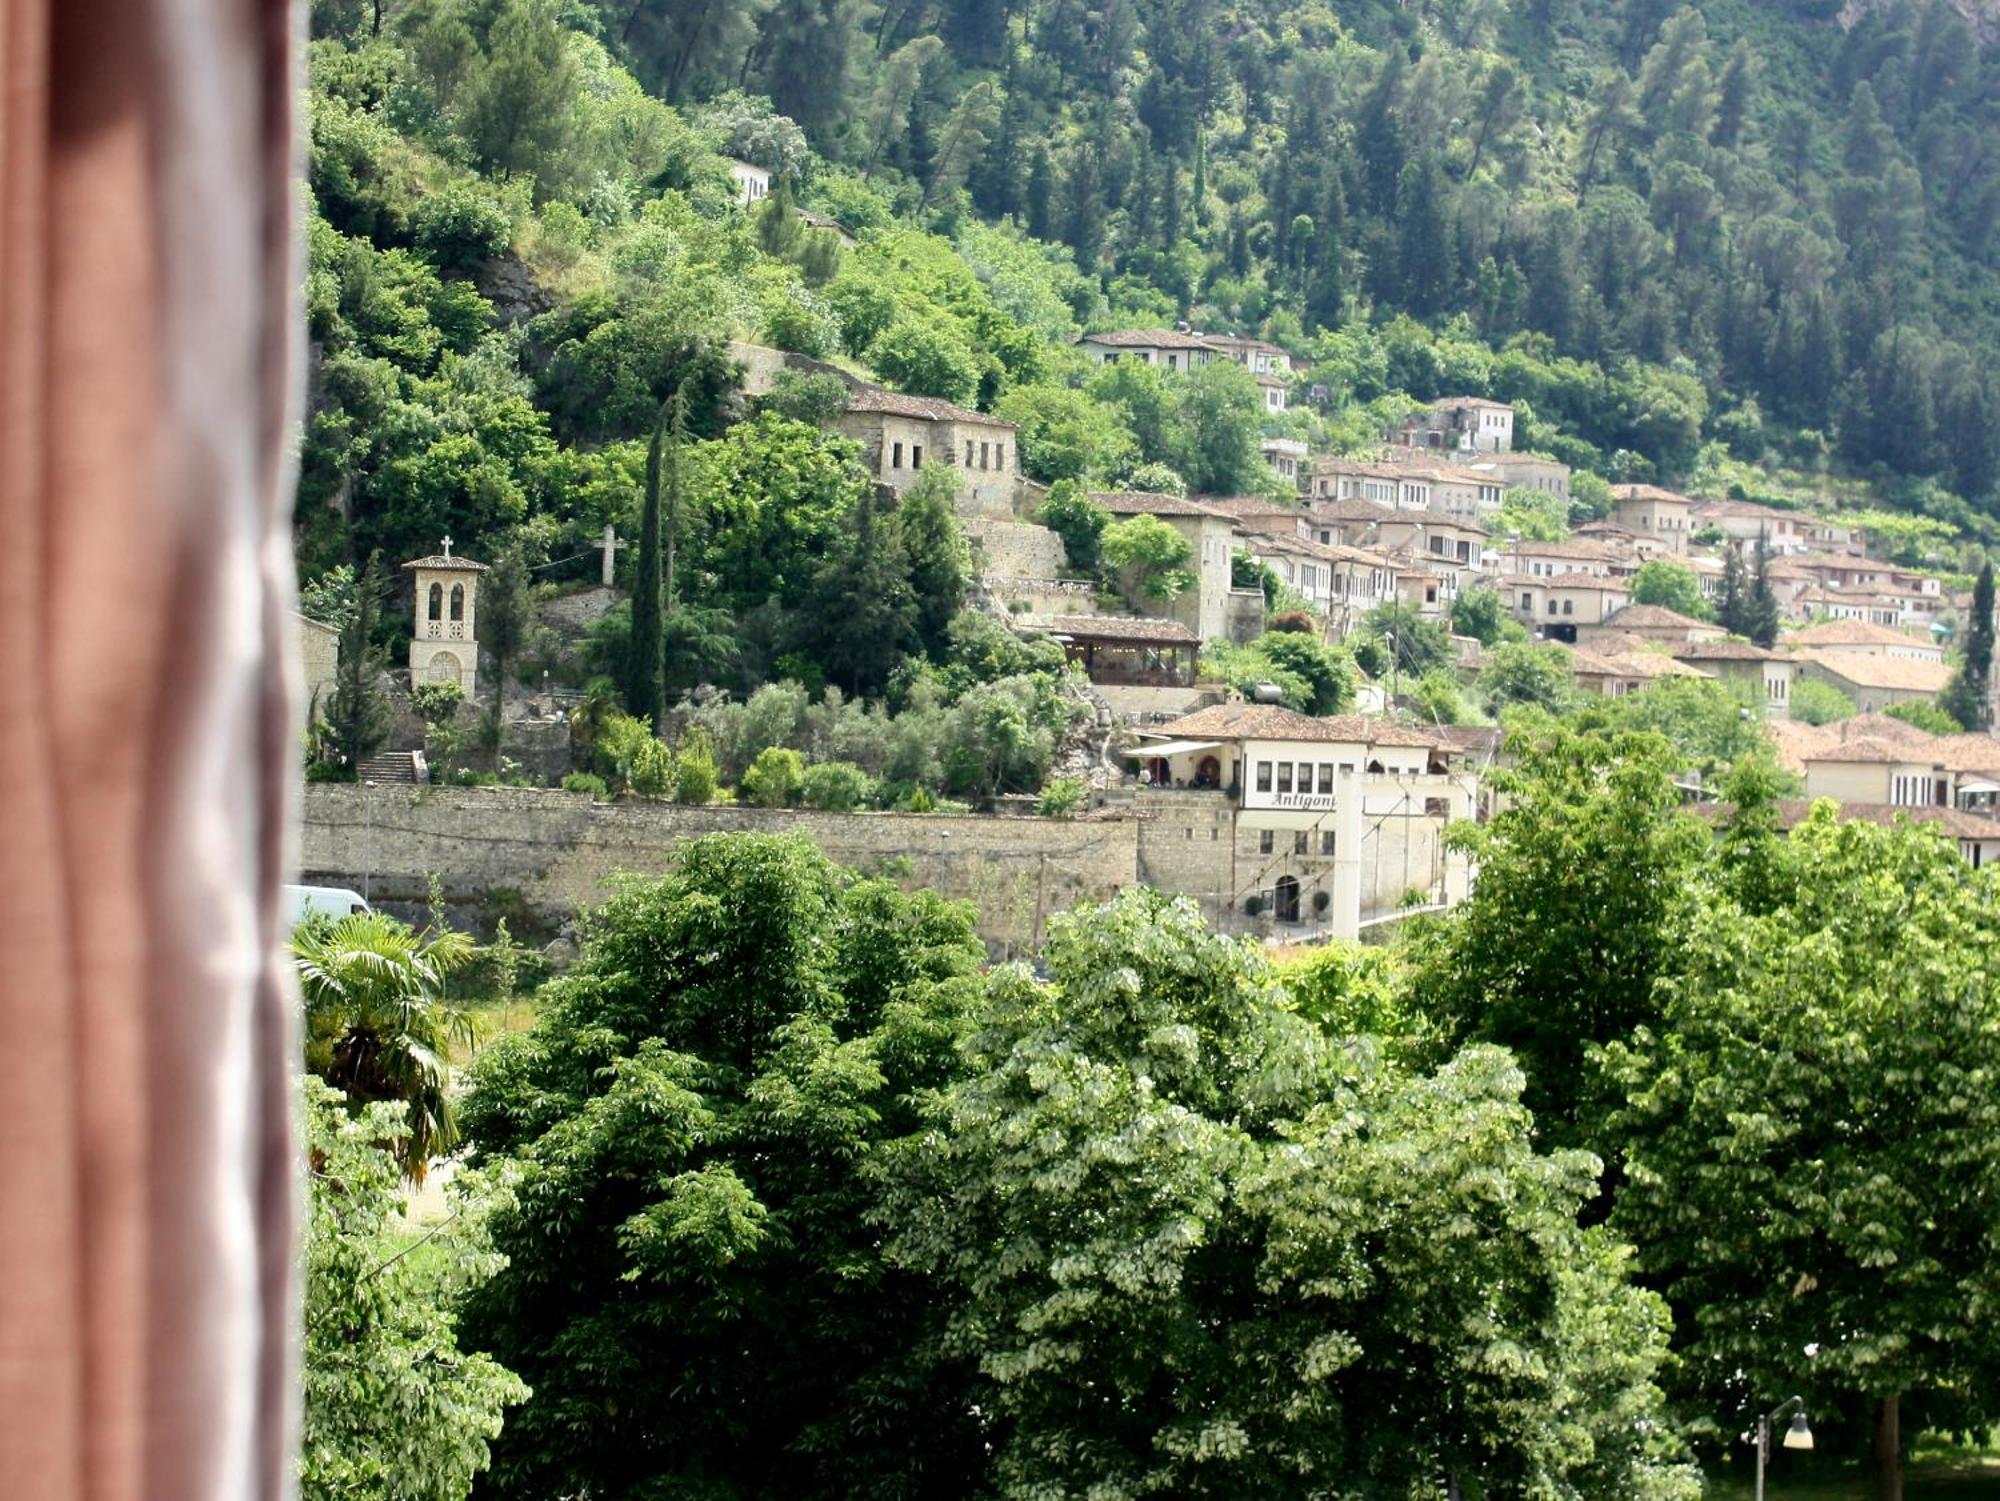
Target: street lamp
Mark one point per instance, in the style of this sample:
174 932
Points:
1797 1435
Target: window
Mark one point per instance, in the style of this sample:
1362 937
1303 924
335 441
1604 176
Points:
916 455
1552 607
1326 841
458 601
984 454
1000 457
1527 600
1173 362
1305 776
1265 841
968 453
1263 776
1326 776
896 456
1347 766
1284 776
1569 607
1299 838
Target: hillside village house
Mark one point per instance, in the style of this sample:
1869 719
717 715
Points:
1557 605
1286 456
1879 772
1746 523
1342 583
1525 471
753 183
1651 511
1351 807
1258 356
1356 523
1617 673
1525 559
898 433
1769 674
1403 487
1877 682
1119 651
1862 639
1275 390
1170 349
1656 625
1465 424
1210 534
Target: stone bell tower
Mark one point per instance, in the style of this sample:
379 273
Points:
443 648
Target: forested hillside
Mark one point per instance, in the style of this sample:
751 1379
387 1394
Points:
1735 249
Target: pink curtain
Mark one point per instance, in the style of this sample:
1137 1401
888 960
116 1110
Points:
147 289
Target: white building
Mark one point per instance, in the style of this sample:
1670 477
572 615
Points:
753 183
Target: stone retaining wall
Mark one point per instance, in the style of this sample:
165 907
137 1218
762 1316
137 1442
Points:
550 853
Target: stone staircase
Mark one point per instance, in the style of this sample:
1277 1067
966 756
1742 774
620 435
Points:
406 767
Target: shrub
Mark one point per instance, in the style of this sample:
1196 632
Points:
462 228
696 765
652 773
586 781
1322 899
836 787
1925 717
1253 904
436 702
774 778
1817 702
1061 798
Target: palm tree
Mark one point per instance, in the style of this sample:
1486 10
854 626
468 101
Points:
377 1024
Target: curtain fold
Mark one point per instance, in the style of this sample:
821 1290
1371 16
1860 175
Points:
148 291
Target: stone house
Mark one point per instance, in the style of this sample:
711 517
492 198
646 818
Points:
1525 471
1614 674
1877 682
1768 673
1255 800
1658 626
1746 523
319 661
898 434
1862 639
1355 523
1275 390
1460 424
1210 533
1557 605
1258 356
1654 512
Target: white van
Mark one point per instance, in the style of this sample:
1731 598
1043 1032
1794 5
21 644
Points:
336 902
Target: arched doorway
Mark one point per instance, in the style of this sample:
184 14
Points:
1287 903
1208 772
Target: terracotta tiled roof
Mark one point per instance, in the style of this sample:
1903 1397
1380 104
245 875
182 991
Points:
1649 492
1655 618
1250 505
1628 664
1873 753
1976 751
1124 628
1243 721
1471 401
924 408
1892 674
1351 509
1141 503
1728 651
1574 580
1953 821
1833 633
447 563
1148 338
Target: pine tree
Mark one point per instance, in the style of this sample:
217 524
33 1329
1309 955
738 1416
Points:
358 718
1968 696
940 566
645 662
505 614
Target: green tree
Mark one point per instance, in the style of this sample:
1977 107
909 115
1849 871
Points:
695 1121
940 562
394 1408
1079 521
1477 612
1672 586
645 663
1583 873
1532 515
1198 1247
775 778
1817 702
1217 412
1809 1137
358 718
1518 673
377 1025
1926 717
1150 557
868 617
1760 609
1415 645
1967 698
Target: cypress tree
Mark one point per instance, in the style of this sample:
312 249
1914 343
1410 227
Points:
1967 697
1729 612
645 661
358 718
1760 622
